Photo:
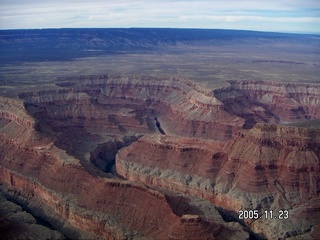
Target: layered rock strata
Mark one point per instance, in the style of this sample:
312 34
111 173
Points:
138 104
268 167
15 223
64 194
262 101
54 186
221 145
277 152
171 106
193 227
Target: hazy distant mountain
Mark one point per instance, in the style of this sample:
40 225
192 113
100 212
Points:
64 44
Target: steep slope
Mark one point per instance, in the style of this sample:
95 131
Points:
261 101
55 187
15 223
134 104
15 121
193 227
225 145
268 167
36 175
288 156
171 106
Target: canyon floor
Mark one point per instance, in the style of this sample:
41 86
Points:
159 134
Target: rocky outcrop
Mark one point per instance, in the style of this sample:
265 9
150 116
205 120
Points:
193 227
87 206
267 167
282 156
113 209
14 110
16 124
141 103
226 146
185 165
137 104
56 187
262 101
274 153
104 155
16 223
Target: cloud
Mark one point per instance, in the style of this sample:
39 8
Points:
232 18
303 15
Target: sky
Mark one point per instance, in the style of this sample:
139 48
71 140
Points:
300 16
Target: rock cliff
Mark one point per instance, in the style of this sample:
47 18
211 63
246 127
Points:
179 106
56 187
113 209
230 146
261 101
193 227
16 223
268 167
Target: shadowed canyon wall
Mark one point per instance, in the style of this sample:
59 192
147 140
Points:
229 146
268 167
56 187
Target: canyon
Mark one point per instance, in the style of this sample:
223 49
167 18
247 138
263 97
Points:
134 157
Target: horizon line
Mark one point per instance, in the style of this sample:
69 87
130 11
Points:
173 28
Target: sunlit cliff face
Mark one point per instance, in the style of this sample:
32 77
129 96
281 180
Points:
229 146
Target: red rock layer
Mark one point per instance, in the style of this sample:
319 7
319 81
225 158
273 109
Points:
14 110
15 223
253 161
264 167
55 186
282 158
265 101
269 166
193 227
186 165
181 107
90 206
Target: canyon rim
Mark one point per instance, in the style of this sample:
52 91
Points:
90 153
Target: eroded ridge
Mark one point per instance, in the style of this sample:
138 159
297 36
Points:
273 102
180 106
268 167
229 146
251 162
54 185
